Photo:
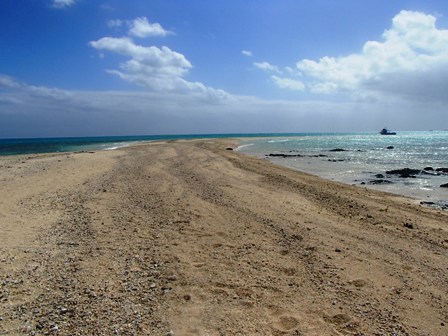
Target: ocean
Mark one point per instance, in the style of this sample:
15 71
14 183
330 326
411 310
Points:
364 158
52 145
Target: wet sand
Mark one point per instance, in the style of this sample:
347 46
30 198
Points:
188 238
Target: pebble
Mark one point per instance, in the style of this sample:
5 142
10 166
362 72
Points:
408 225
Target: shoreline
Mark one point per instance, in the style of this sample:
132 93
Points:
351 166
188 237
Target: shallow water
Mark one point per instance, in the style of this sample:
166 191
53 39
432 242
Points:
364 156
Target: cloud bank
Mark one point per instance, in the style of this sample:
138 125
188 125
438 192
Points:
35 111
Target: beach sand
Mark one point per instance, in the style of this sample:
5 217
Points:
188 238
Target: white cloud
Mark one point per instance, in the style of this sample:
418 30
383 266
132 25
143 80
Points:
140 27
247 53
9 82
412 47
158 69
63 3
114 23
288 83
267 67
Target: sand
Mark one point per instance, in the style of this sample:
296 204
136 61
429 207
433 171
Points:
188 238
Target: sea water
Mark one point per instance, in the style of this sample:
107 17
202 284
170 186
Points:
53 145
364 156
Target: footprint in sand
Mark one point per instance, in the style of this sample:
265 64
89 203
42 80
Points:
359 283
285 323
338 319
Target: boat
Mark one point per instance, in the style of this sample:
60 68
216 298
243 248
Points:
385 131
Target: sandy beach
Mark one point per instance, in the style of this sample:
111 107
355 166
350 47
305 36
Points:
190 238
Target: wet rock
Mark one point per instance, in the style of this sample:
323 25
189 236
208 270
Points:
380 181
390 147
338 150
284 155
428 168
442 170
444 185
380 176
405 172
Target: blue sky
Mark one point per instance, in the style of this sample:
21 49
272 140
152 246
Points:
110 67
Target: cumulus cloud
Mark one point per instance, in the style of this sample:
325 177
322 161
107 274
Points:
140 27
158 69
413 48
63 3
247 53
408 62
267 67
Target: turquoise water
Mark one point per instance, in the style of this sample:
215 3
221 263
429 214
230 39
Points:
365 155
50 145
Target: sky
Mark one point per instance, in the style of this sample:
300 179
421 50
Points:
146 67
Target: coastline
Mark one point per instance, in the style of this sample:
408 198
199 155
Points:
365 160
188 237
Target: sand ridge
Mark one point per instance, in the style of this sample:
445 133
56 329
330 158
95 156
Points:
188 238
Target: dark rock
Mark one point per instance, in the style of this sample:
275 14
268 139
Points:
408 225
380 176
444 185
442 170
229 148
338 250
338 150
428 168
381 181
405 172
390 147
284 155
